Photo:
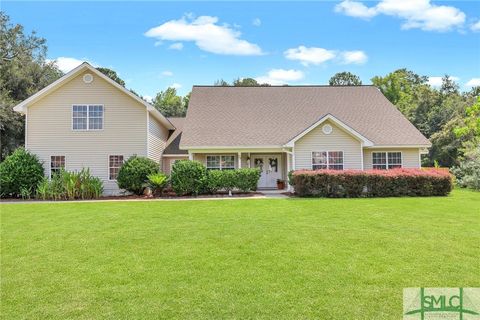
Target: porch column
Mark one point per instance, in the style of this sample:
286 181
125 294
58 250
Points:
239 160
289 187
190 156
249 161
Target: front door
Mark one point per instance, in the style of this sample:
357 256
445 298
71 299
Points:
270 170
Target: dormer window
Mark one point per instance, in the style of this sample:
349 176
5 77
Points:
87 117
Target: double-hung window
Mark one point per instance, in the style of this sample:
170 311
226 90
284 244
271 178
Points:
220 162
386 160
57 164
114 164
87 117
332 160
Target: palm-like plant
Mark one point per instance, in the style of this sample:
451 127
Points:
158 182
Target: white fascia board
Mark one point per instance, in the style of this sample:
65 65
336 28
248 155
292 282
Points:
399 146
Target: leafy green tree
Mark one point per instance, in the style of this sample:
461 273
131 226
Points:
399 84
449 86
23 71
248 82
113 75
186 101
169 103
345 79
474 92
245 82
220 83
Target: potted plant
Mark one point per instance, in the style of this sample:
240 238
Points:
280 184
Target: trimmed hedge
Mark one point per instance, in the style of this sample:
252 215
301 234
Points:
133 174
371 183
192 178
189 177
245 180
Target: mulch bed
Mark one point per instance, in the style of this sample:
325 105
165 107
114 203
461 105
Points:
166 195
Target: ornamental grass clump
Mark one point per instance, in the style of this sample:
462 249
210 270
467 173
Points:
371 183
70 185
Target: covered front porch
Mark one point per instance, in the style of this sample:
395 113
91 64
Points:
274 164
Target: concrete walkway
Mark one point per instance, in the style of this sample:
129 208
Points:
277 194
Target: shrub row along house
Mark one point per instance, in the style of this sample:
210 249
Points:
86 120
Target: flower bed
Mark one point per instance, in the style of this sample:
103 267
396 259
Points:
371 183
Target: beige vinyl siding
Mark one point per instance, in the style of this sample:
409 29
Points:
410 157
338 140
157 139
167 163
50 131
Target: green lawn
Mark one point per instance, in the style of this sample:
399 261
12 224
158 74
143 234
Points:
264 258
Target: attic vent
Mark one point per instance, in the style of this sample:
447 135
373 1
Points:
87 78
327 129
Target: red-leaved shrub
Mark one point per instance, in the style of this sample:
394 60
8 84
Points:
371 183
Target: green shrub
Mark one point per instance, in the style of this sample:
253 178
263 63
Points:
371 183
133 174
20 174
158 182
69 185
189 177
214 181
246 179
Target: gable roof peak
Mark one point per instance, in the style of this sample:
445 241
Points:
21 107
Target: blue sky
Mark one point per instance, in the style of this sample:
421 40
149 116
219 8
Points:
153 45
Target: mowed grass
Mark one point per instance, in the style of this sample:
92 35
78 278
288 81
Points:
265 258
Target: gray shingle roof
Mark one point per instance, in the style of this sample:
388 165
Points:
173 141
270 116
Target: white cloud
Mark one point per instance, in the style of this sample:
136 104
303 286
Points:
474 82
147 98
257 22
310 55
206 34
167 73
280 76
176 46
355 9
354 57
475 26
421 14
437 81
66 64
175 85
316 56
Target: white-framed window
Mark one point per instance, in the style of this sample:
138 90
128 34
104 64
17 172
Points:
332 160
386 160
87 117
114 164
57 164
219 162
